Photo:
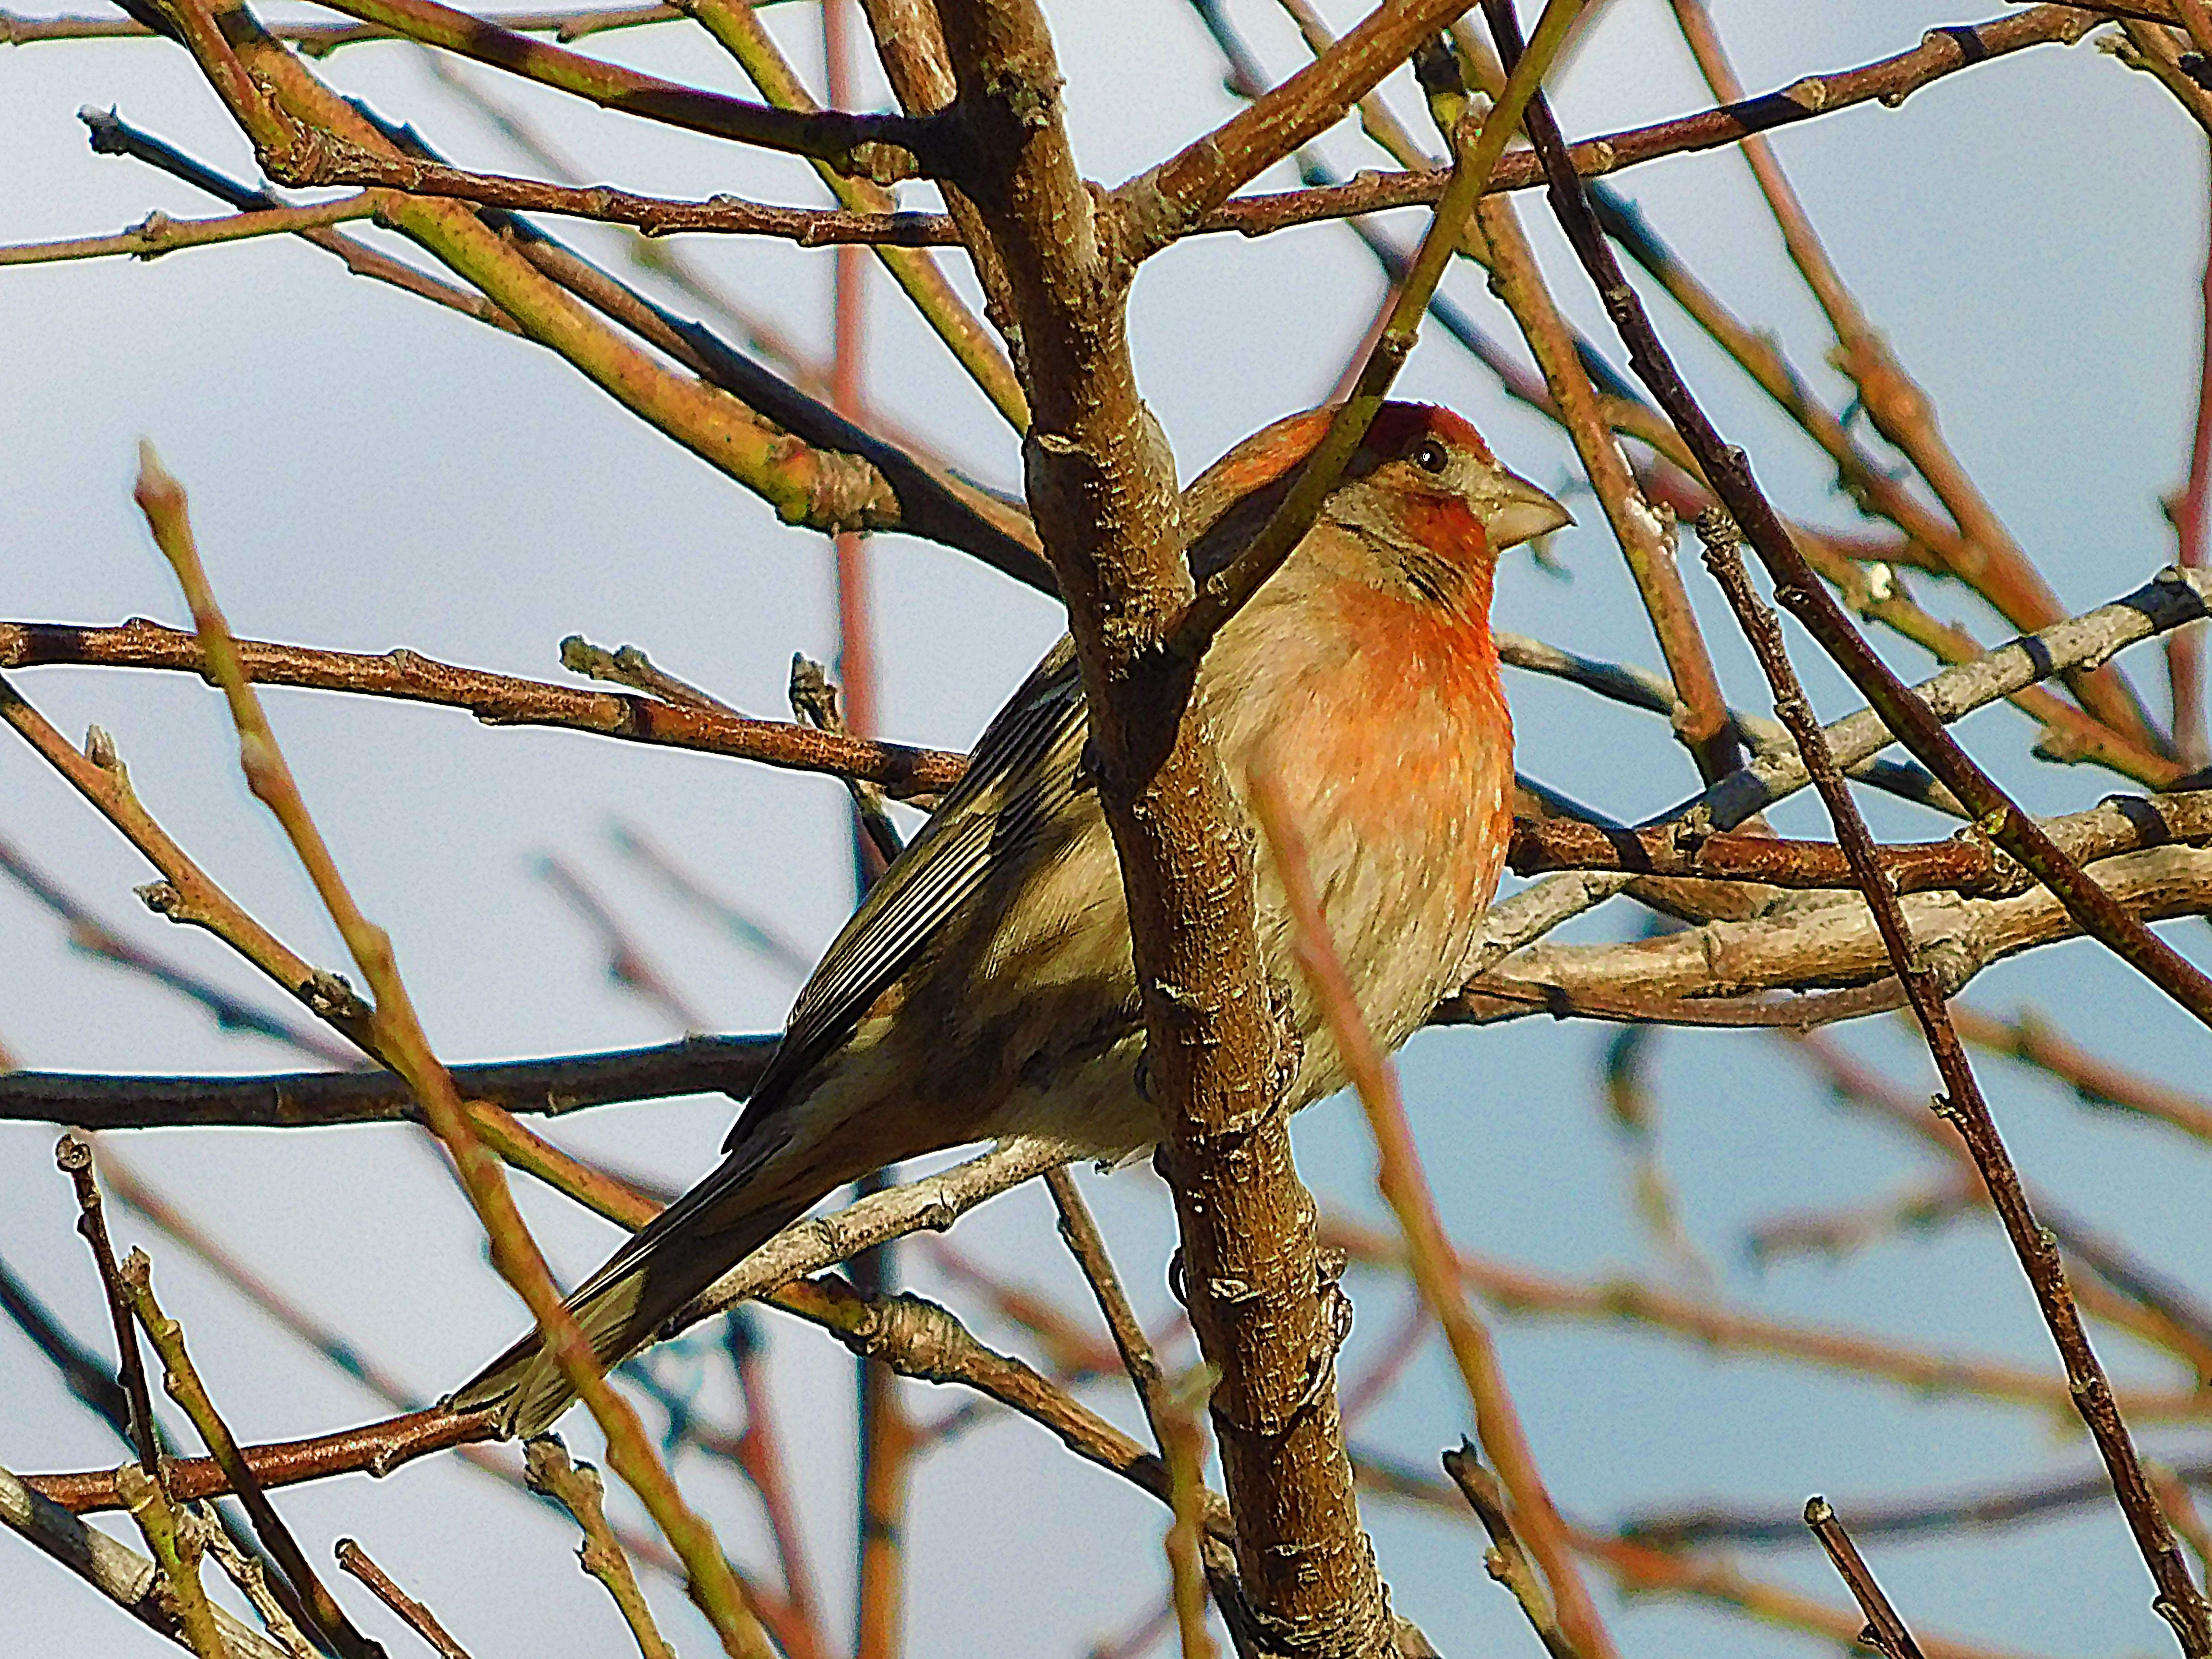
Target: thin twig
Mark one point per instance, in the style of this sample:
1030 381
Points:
122 1574
1182 1437
2034 1041
1646 542
818 701
1507 1562
1528 1292
182 1381
1428 1249
90 934
1973 1510
178 1539
113 136
1639 1569
158 234
250 1574
551 1087
735 25
1728 470
1990 562
74 1157
745 927
712 1582
1885 1629
412 1613
869 145
2190 511
494 699
626 963
1224 593
577 1488
628 666
759 1453
321 39
1079 1229
934 1201
2179 1601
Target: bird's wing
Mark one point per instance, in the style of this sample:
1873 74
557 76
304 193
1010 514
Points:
1018 782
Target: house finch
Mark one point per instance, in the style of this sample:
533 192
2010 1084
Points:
985 988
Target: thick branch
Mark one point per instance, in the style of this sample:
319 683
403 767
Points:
1102 490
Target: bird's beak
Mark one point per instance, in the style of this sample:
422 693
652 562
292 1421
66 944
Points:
1517 512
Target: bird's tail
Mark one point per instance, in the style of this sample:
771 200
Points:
690 1245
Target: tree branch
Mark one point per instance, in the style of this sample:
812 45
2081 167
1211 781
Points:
494 699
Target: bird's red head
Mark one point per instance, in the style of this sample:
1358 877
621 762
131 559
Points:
1424 493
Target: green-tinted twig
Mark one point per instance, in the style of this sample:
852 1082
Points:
803 485
174 1537
1645 538
577 1488
1223 594
869 145
713 1584
735 24
159 233
321 39
1182 1447
187 894
182 1381
74 1157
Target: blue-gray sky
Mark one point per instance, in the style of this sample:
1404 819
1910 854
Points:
368 472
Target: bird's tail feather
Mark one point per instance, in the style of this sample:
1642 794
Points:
692 1243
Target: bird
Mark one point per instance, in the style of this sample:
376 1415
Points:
985 986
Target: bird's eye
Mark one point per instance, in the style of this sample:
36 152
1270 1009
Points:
1431 456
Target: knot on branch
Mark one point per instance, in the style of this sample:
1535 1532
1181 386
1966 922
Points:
844 494
309 155
332 995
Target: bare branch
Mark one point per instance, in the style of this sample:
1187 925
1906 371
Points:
2179 1601
494 699
867 144
182 1381
417 1616
117 1571
539 1087
158 234
1884 1628
577 1488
